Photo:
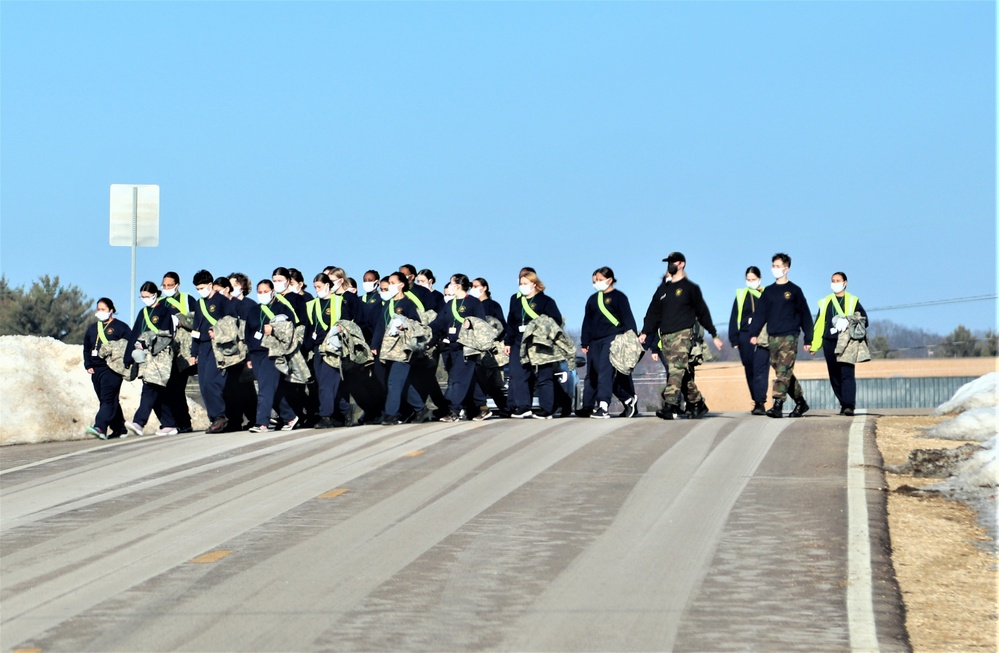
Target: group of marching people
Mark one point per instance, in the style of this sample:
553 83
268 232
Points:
275 356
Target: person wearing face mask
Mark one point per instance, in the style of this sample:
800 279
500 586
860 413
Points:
240 393
286 292
783 309
331 305
488 374
448 325
423 376
296 283
606 315
422 297
755 360
673 315
526 306
212 306
109 421
271 390
425 279
395 303
830 321
181 306
154 316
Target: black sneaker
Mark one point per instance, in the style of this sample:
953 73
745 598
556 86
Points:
758 408
450 417
483 416
541 415
219 425
522 413
391 420
424 415
599 413
848 411
324 423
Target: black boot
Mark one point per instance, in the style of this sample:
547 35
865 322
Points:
777 410
759 408
848 411
668 411
800 408
697 410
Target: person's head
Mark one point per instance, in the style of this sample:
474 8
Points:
337 277
265 291
105 309
530 284
392 286
409 271
676 264
400 279
350 285
753 277
603 279
222 285
480 288
296 281
323 285
426 279
281 278
369 282
171 284
240 284
838 284
780 264
328 269
149 293
203 281
460 285
524 270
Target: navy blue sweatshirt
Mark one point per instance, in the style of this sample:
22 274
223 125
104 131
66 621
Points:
467 307
541 304
749 306
595 323
351 309
675 308
258 319
115 329
404 307
784 310
154 318
492 308
431 300
218 306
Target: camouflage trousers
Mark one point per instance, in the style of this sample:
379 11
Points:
783 353
676 353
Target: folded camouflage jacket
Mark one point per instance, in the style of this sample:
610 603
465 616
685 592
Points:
409 341
625 352
113 353
545 342
159 357
228 344
283 346
352 349
849 348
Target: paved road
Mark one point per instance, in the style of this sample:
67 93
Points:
728 533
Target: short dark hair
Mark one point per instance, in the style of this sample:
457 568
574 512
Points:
107 302
605 272
407 269
783 258
172 275
755 270
266 282
202 276
374 272
150 287
222 282
401 277
842 274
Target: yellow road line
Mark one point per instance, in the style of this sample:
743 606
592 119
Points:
333 493
211 556
414 454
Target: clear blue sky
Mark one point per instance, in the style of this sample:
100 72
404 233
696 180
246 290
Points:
481 137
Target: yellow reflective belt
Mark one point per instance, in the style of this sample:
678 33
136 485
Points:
454 309
100 332
281 298
740 296
605 310
204 311
416 300
267 311
181 304
527 309
149 323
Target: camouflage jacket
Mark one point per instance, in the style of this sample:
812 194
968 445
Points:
113 353
407 342
698 349
283 346
352 349
159 357
544 342
228 342
482 338
625 352
849 348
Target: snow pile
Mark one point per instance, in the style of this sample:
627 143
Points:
983 392
48 396
977 424
980 470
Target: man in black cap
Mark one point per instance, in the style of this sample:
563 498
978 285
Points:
677 305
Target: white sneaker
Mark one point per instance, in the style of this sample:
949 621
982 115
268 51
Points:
131 428
167 430
522 414
290 425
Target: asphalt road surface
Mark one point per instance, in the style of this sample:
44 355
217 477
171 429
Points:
730 533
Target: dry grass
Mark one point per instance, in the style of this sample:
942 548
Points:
947 578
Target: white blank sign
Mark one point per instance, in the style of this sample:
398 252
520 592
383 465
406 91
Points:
147 227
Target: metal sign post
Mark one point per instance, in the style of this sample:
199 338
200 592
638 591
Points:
135 221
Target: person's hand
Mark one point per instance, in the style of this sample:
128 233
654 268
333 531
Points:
655 358
584 350
90 370
506 350
211 334
192 360
808 348
641 339
374 352
249 365
718 343
268 329
752 341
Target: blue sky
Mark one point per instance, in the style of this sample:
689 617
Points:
481 137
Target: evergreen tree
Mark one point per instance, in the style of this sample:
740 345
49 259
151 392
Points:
46 309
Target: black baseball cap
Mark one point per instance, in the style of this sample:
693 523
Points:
675 257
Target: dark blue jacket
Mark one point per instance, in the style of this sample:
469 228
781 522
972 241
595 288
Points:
218 306
784 310
258 319
541 304
595 323
404 307
115 329
160 317
466 308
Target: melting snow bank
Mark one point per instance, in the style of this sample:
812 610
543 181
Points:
48 396
969 472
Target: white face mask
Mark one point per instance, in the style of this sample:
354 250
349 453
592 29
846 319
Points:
526 288
601 286
475 292
425 284
837 286
394 289
171 292
103 315
280 286
386 295
204 292
237 291
369 286
753 284
337 283
448 297
323 293
149 301
264 297
778 272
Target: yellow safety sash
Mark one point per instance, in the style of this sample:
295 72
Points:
605 310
